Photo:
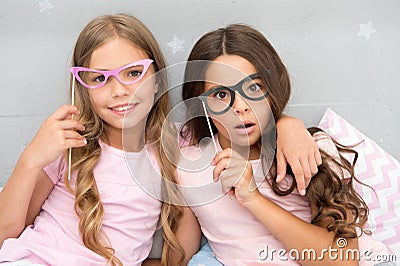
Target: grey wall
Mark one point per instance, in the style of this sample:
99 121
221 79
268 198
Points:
330 64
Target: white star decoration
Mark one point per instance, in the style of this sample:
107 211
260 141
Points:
176 45
45 6
366 30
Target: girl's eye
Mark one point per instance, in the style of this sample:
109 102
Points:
134 73
99 79
221 95
254 88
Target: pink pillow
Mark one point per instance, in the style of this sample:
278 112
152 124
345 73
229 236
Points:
378 169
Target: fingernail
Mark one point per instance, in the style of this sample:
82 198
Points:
302 192
85 141
212 162
278 178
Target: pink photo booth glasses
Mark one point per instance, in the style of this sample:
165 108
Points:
129 74
93 79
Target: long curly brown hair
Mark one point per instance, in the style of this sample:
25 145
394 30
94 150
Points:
88 206
339 207
334 197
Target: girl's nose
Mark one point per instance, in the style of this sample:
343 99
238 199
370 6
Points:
117 88
240 105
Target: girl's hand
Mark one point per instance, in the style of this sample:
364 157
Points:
236 175
296 146
57 133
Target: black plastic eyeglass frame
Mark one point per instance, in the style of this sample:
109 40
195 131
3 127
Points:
232 89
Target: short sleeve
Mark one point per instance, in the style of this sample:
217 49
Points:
55 170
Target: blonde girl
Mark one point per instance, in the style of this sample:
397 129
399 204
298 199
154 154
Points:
101 215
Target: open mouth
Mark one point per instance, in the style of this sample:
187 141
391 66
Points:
245 125
245 128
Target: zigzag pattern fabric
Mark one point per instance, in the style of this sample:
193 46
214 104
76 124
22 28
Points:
378 169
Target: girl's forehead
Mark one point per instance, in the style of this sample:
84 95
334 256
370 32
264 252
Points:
116 53
229 70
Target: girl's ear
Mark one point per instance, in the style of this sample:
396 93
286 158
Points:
156 87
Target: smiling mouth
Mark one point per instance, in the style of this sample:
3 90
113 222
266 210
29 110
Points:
123 108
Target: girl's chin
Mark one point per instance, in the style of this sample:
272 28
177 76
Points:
242 143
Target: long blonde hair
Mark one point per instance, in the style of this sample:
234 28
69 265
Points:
88 206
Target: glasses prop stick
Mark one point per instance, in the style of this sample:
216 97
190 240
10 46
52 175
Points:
70 149
209 127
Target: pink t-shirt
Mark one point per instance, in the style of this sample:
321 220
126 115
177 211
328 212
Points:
234 234
130 215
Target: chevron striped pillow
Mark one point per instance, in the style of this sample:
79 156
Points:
378 169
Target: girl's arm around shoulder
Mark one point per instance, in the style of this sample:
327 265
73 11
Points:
296 147
188 233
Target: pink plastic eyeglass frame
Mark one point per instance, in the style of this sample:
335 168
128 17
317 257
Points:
107 73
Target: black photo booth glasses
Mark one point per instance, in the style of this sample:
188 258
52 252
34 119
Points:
220 99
